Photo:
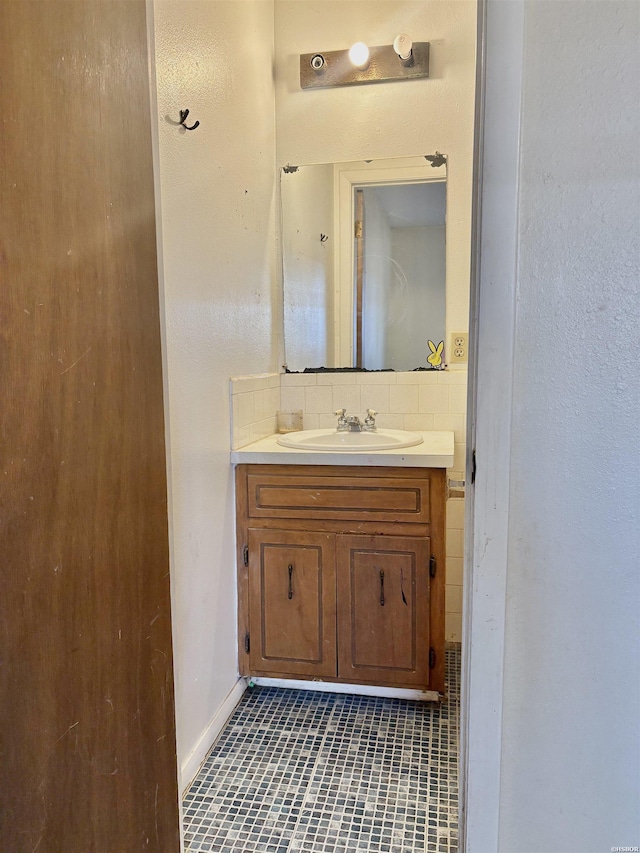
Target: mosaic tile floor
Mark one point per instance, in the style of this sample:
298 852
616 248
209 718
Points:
324 772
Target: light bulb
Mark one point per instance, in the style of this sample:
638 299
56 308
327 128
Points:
403 45
359 54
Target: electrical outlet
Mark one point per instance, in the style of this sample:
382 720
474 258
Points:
459 352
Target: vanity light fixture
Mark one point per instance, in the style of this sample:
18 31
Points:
402 60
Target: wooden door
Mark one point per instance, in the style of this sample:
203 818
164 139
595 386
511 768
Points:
292 603
383 609
87 735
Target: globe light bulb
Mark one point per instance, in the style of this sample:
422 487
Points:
359 54
403 45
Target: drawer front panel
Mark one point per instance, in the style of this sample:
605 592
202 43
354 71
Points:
359 498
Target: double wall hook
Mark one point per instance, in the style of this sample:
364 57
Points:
183 118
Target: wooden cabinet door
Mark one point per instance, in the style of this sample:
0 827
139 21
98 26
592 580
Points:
383 609
292 603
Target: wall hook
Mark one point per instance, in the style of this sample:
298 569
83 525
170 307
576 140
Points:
183 118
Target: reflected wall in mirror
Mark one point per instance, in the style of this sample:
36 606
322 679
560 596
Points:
363 263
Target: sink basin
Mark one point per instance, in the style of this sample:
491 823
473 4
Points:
350 442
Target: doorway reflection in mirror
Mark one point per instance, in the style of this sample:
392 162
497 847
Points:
372 295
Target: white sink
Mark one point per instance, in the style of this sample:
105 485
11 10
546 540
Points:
350 442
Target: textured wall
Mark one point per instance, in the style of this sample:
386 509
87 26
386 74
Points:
218 238
571 734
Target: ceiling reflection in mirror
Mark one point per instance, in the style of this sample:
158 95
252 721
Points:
363 255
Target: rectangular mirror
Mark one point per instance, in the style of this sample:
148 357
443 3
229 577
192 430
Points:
363 256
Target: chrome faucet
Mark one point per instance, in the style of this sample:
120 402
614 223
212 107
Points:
352 423
370 420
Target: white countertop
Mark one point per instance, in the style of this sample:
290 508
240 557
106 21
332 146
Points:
436 451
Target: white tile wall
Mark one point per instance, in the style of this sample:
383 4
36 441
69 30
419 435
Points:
318 400
254 402
419 400
455 553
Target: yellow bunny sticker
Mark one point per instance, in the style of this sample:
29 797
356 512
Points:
435 359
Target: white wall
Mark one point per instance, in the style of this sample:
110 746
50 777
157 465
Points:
571 727
389 119
218 246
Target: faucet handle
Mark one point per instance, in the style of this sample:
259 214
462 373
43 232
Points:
340 412
370 420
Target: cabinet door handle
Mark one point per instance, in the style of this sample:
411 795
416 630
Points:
381 588
290 567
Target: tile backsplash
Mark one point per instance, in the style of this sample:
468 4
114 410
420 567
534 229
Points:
254 403
419 400
416 400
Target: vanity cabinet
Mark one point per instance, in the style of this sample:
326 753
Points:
341 574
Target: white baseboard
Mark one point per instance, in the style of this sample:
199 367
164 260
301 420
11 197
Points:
359 689
196 757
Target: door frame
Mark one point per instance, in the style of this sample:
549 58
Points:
494 261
